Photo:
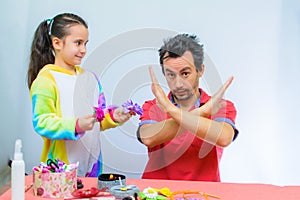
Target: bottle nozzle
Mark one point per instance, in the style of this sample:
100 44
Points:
18 154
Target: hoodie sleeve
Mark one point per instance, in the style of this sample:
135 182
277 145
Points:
108 122
46 114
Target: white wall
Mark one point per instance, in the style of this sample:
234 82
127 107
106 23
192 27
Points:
256 41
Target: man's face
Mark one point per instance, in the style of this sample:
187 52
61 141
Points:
182 76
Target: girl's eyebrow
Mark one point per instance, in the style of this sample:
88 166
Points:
79 39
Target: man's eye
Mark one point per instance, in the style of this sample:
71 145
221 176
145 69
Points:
170 75
185 74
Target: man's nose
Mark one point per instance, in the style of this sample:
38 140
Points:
179 82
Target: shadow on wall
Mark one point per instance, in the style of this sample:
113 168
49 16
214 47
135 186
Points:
5 176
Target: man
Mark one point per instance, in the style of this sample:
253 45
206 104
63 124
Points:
185 132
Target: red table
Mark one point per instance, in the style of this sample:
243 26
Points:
227 191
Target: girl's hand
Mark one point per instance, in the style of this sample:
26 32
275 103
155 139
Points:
120 116
87 122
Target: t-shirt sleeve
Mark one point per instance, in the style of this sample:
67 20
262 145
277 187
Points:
151 115
227 114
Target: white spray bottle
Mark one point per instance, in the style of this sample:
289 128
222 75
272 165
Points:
18 173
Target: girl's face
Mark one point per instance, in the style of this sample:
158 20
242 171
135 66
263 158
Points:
72 48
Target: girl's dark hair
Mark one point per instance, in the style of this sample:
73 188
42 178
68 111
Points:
178 45
42 51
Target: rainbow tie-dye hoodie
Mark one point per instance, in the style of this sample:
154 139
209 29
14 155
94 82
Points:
54 119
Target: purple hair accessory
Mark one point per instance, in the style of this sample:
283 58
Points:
101 101
99 113
61 166
132 108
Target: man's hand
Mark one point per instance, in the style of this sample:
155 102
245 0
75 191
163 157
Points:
215 103
161 98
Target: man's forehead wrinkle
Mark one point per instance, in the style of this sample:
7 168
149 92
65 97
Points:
187 56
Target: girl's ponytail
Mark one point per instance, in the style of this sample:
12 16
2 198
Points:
41 51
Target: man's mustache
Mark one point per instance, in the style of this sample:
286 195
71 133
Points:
181 90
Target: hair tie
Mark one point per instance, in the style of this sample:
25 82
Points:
50 23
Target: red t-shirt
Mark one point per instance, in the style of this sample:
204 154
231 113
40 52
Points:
185 157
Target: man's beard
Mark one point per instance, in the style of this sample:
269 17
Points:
188 94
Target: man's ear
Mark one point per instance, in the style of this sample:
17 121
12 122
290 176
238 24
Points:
56 43
200 72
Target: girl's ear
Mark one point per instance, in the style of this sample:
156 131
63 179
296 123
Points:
56 43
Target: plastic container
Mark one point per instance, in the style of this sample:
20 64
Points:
18 173
122 191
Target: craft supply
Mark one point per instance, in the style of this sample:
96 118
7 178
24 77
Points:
120 180
122 191
150 193
28 187
18 173
163 191
53 165
79 184
178 195
109 180
134 197
102 109
132 108
91 193
54 179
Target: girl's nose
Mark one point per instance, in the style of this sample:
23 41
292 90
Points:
83 49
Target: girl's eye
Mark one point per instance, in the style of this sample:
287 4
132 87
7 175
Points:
78 43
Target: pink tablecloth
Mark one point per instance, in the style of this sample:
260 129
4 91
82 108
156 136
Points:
227 191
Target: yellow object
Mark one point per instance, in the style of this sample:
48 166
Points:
164 191
111 177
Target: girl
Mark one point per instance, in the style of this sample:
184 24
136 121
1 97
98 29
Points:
57 49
